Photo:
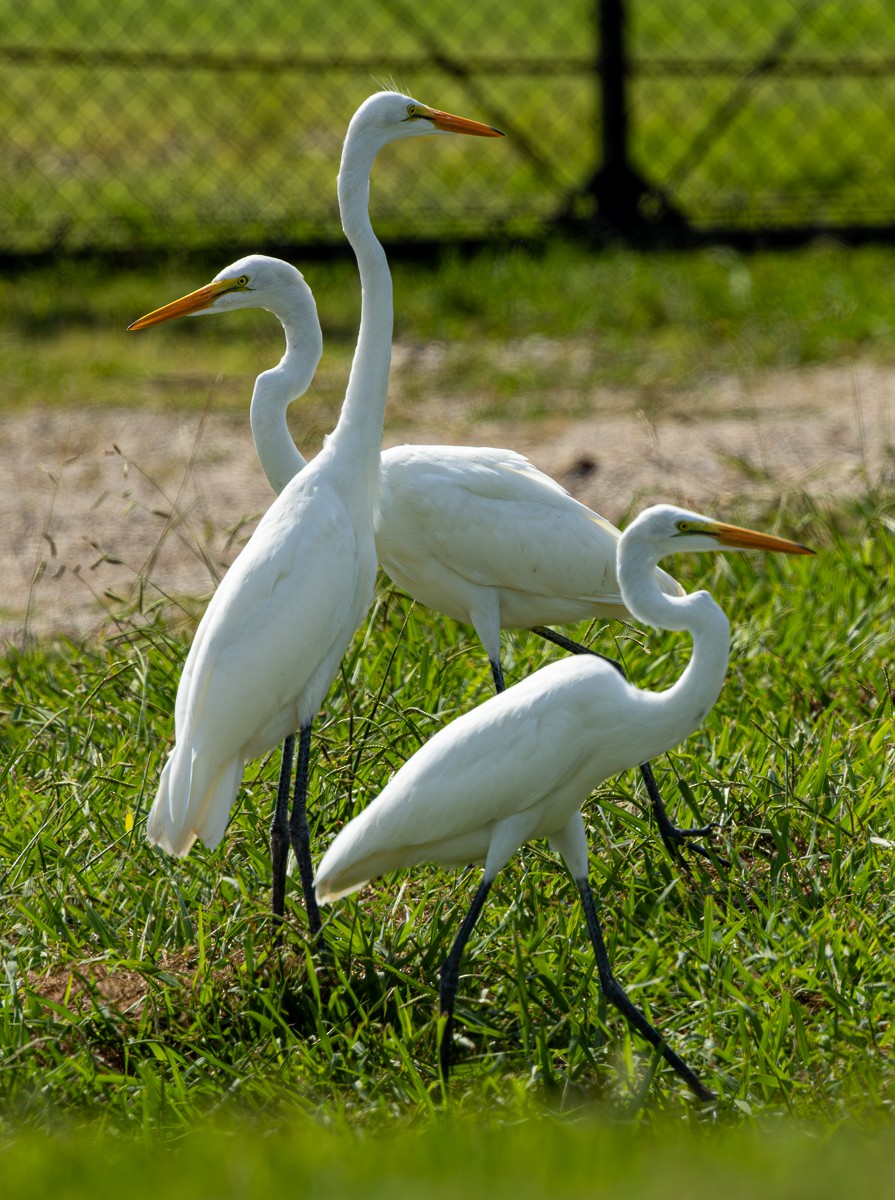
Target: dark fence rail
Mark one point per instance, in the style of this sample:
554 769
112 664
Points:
143 126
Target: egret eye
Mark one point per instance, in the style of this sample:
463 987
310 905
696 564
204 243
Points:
242 281
683 526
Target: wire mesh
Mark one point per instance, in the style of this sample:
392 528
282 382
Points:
768 114
182 125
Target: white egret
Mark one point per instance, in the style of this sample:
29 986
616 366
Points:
475 533
521 765
270 642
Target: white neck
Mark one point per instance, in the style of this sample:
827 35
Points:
274 392
681 709
360 422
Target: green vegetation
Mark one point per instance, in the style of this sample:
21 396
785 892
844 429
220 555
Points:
541 1159
149 1035
143 993
658 323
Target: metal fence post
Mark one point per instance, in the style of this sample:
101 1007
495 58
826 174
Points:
618 199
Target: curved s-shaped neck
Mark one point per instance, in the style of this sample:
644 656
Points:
682 708
276 389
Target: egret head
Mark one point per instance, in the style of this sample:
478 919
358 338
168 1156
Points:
668 529
255 281
388 116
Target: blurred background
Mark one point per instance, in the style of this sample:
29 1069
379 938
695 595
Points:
136 126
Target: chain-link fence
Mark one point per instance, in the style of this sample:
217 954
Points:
187 125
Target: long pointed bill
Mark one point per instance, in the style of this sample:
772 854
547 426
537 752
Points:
749 539
448 123
203 297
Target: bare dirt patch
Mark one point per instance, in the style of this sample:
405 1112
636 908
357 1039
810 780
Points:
95 501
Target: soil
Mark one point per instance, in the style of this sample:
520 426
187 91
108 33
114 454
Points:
106 508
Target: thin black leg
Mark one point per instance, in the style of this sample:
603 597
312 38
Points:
616 995
559 639
450 975
299 832
673 836
279 833
497 672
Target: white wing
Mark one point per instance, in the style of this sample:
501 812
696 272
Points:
263 657
521 752
455 520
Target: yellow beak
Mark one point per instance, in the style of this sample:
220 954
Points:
451 124
750 539
203 297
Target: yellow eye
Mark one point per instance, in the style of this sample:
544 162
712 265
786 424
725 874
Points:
683 526
413 110
242 281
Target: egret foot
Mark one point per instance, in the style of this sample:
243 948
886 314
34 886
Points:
674 838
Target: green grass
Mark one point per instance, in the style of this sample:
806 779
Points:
579 1158
583 1160
142 1006
658 323
141 994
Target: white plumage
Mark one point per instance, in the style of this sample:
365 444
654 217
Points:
475 533
521 765
267 648
270 642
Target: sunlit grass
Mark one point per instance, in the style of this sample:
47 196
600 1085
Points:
487 327
141 996
143 992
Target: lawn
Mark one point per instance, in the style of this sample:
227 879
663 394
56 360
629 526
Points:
660 323
143 1002
139 989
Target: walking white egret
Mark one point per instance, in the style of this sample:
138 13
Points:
521 765
475 533
270 642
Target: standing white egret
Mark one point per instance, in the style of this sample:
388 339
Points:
270 642
521 765
477 534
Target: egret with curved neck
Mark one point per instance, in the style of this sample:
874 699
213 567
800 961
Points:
270 642
521 765
475 533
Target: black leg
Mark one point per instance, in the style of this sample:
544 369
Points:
450 975
616 995
279 833
497 672
299 832
673 836
559 639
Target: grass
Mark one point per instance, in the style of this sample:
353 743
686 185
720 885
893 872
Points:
147 1030
485 330
142 993
582 1158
